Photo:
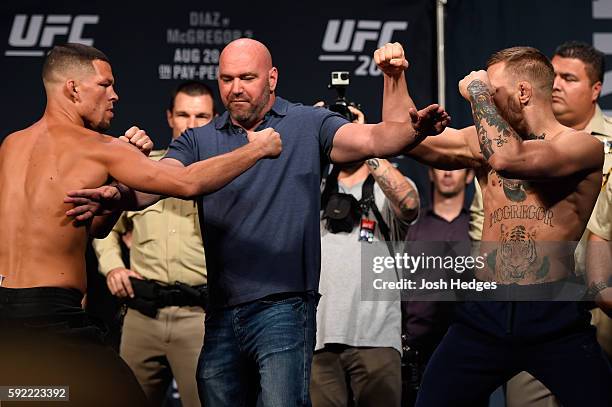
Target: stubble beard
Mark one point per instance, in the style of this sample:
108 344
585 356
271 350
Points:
250 116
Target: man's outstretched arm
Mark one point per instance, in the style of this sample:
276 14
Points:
131 168
104 222
357 142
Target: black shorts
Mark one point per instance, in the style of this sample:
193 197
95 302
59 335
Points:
47 339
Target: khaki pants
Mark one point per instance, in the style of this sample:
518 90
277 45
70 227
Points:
604 330
524 390
373 374
157 348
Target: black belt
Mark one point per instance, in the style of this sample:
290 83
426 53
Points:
150 296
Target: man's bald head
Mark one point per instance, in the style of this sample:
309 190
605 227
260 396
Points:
70 59
248 47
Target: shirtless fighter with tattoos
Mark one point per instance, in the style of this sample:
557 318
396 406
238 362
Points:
540 181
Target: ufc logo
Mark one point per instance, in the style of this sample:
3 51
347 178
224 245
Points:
41 32
341 36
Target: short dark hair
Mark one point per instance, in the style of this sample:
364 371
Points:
192 88
593 59
526 62
69 56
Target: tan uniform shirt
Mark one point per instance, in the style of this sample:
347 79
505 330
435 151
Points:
601 127
166 242
600 222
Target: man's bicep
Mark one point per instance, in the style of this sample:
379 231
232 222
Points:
172 162
351 143
590 156
133 169
567 156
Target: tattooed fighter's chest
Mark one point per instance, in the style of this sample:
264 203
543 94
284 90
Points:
516 203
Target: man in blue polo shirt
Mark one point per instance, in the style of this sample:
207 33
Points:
261 231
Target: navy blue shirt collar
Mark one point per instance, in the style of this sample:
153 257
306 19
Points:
279 108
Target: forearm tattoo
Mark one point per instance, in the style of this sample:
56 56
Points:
399 193
595 288
409 202
483 108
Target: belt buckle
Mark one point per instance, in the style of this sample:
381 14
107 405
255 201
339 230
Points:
2 279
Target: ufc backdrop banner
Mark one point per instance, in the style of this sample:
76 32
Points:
152 48
477 28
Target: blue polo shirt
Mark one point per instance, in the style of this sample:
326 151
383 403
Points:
261 231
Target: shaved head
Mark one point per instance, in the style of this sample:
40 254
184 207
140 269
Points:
250 47
247 81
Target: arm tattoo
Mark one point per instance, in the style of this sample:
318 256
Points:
409 202
483 108
595 288
392 190
373 163
386 184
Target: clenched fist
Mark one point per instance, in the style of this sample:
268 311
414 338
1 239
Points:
268 140
390 59
477 82
139 138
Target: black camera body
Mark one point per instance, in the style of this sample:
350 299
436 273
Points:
339 82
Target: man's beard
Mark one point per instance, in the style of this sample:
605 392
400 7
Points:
251 115
100 127
512 114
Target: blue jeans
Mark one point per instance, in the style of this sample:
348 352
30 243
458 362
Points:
259 352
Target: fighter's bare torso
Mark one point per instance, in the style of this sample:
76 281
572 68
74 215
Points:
528 220
40 244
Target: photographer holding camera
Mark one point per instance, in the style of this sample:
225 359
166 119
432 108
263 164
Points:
358 347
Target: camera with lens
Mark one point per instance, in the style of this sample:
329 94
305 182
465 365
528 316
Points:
339 82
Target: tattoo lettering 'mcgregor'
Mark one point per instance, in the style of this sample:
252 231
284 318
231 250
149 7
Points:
531 212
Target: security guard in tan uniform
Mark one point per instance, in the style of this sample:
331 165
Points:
165 285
